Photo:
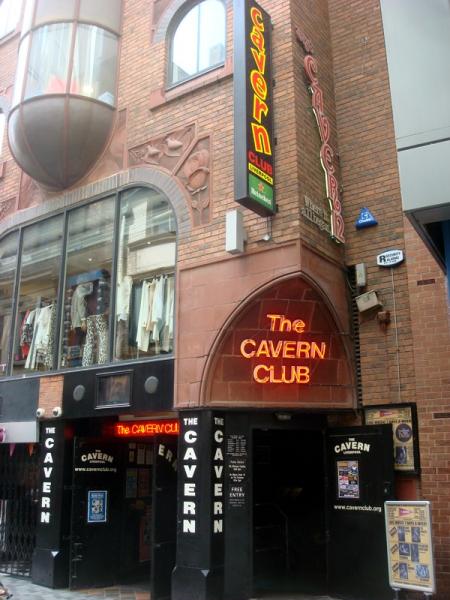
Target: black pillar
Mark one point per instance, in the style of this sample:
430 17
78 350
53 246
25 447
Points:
50 565
198 574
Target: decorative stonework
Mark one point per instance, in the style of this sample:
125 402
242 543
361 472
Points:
194 174
188 158
164 151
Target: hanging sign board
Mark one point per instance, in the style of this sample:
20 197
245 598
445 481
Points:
253 109
390 258
409 546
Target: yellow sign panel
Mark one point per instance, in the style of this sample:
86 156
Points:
409 545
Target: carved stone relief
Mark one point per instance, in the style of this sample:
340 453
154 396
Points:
194 173
164 151
188 158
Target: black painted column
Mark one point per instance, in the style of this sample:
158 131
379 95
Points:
198 574
50 565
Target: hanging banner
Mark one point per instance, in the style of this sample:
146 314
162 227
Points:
409 546
253 107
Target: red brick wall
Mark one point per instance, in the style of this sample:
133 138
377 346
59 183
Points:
430 314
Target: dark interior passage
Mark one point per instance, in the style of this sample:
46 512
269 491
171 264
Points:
289 541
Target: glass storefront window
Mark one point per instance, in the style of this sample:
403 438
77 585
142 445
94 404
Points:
85 322
35 334
49 60
145 275
94 63
8 261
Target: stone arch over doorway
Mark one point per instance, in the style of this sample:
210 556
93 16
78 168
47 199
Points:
282 348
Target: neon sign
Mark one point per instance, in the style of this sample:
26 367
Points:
253 121
326 151
272 372
146 428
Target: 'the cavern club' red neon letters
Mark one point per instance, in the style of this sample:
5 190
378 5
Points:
146 428
326 151
275 371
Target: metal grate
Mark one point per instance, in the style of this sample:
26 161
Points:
355 332
18 507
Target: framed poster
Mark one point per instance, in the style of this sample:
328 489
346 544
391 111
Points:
409 545
403 418
348 479
97 506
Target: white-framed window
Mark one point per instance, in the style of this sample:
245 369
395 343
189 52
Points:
197 42
9 16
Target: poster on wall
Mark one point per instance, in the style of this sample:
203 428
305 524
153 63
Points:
97 506
403 418
409 545
348 479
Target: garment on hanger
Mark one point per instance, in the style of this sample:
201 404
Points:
78 307
41 343
123 298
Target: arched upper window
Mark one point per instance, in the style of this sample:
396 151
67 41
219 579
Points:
198 41
9 16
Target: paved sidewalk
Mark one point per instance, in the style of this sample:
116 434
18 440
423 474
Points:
23 589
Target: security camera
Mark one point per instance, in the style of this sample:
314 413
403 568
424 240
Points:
57 411
40 413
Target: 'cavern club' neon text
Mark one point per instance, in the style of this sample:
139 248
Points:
326 151
146 428
261 137
275 371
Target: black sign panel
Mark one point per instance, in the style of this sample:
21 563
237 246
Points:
361 473
253 107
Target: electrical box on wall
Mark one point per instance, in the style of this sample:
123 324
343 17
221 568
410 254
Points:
235 234
368 301
361 275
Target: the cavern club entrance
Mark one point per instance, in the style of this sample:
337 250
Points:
123 521
318 499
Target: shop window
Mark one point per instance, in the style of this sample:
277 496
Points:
35 337
8 261
94 64
80 321
196 46
85 321
145 276
9 16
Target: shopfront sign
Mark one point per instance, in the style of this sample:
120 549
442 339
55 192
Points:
409 546
253 109
125 429
47 475
316 214
273 353
403 418
326 151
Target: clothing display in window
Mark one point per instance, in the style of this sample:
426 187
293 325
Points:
154 313
40 351
86 331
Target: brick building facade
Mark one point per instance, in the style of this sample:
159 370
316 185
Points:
172 135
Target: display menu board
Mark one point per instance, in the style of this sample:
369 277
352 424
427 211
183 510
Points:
403 419
409 545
